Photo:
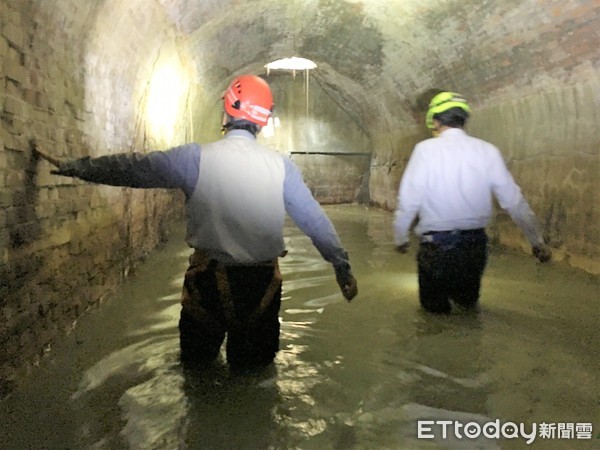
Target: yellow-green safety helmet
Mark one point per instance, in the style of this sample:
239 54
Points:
443 102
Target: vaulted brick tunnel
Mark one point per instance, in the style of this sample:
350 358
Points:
91 78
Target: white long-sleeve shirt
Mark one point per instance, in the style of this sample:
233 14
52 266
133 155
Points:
449 182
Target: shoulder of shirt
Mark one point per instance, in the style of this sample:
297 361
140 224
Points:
437 140
189 147
186 153
425 144
288 163
482 142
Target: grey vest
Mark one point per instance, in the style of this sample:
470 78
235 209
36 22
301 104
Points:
236 212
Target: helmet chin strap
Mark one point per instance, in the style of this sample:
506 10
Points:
229 122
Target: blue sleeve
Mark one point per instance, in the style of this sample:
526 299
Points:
171 169
308 215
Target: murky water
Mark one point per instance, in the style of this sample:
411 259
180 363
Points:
356 375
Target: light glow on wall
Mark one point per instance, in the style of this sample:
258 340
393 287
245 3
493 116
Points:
166 101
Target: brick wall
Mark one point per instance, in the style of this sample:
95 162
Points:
68 82
335 179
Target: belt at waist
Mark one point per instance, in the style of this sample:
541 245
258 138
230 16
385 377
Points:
202 257
433 236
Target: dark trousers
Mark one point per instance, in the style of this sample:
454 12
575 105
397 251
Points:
450 268
240 302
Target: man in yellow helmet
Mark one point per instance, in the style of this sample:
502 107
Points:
448 183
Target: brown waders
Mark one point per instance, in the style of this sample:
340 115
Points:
240 301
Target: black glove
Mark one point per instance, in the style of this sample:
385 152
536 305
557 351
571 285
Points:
542 252
402 248
346 281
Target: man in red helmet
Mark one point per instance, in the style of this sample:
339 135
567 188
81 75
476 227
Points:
237 194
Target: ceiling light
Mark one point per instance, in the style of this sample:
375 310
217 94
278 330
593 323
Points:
292 63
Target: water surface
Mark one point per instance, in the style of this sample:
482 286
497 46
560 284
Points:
356 375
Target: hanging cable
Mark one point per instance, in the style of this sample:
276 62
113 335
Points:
306 77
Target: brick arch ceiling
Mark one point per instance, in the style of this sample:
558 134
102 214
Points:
381 54
380 57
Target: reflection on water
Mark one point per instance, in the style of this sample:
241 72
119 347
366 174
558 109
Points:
356 375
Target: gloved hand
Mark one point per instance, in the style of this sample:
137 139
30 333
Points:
402 248
51 159
346 282
542 252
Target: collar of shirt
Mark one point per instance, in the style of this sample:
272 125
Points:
453 132
240 133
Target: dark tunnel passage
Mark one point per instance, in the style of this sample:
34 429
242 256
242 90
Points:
84 78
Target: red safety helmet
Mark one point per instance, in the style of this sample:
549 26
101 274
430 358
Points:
249 97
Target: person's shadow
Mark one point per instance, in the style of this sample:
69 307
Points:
229 409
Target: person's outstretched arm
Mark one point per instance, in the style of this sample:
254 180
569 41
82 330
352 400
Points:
308 215
175 168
